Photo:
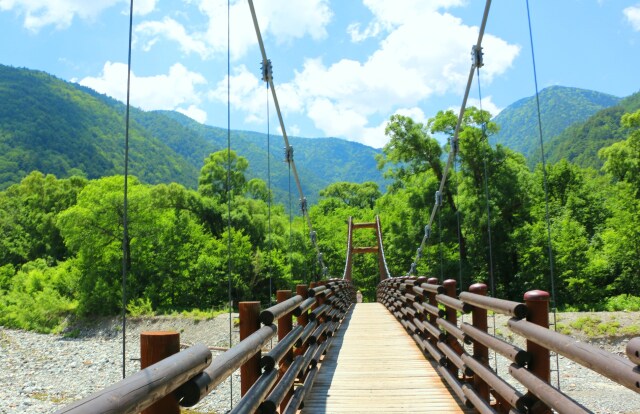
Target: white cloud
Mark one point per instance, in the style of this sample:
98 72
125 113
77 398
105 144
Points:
144 7
357 36
170 91
248 93
285 20
487 105
632 13
194 113
40 13
60 13
424 53
172 30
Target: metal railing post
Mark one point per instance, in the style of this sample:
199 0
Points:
433 302
452 317
249 323
285 323
537 302
154 347
480 352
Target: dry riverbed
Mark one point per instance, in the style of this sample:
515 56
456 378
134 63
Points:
40 373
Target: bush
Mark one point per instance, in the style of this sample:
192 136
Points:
623 302
39 299
140 307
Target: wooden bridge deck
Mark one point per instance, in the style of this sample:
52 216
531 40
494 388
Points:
373 366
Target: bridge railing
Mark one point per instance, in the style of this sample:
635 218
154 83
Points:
429 312
267 380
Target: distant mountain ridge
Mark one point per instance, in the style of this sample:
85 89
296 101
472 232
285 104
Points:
560 107
62 128
581 142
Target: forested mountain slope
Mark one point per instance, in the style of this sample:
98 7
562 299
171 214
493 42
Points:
581 142
61 128
53 126
560 107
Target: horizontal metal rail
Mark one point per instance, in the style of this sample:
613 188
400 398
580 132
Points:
616 368
428 311
223 366
140 390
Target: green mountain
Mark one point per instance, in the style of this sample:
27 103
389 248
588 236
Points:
319 161
581 142
560 107
62 128
56 127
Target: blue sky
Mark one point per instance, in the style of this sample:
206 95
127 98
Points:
341 67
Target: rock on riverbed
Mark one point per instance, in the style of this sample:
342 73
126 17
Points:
41 373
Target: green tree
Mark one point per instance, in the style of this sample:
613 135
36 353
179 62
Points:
213 175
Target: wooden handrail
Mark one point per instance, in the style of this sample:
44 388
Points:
442 338
191 374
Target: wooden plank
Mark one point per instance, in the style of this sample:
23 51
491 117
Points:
373 365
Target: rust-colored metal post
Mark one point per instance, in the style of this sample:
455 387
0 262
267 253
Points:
154 347
302 290
537 302
249 323
452 317
285 323
480 352
433 302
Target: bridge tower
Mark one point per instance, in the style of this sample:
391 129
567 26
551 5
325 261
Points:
351 249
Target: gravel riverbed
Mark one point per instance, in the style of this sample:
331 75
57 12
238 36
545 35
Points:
41 373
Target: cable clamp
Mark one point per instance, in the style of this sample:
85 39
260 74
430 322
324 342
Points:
303 205
267 70
419 253
455 145
314 237
288 154
427 231
413 268
477 56
438 198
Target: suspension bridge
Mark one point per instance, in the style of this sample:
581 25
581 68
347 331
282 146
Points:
409 352
412 351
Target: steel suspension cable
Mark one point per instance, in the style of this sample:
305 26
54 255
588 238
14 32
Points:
229 250
451 155
288 147
546 191
269 240
456 198
488 200
125 206
487 194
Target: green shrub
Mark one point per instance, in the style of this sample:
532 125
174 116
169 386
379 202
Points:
631 330
40 298
140 307
623 302
587 324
